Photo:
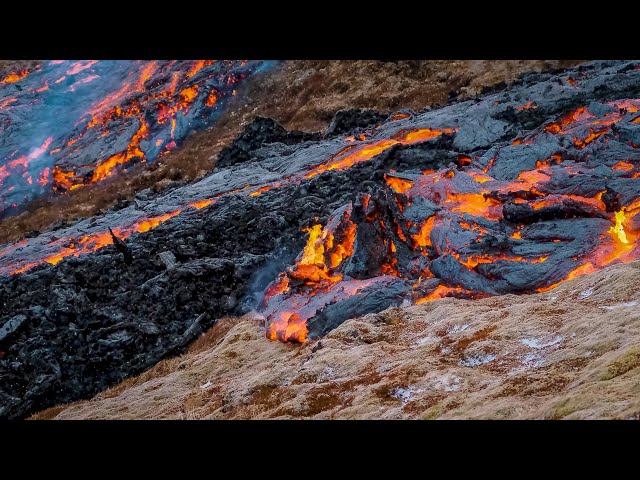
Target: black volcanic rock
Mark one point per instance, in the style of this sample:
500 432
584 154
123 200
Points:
345 121
78 327
261 131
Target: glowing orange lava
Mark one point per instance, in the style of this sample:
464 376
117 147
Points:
441 291
399 185
351 155
14 77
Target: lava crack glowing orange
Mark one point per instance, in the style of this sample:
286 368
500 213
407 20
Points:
351 155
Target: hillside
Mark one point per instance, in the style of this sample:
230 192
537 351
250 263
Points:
570 353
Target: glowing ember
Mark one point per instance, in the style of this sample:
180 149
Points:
623 166
212 99
528 105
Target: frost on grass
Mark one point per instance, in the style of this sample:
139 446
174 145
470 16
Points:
459 328
447 383
532 360
633 303
586 293
540 342
476 360
405 394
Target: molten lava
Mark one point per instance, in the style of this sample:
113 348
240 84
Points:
14 77
499 236
105 116
351 155
325 250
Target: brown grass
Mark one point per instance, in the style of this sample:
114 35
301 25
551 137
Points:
301 95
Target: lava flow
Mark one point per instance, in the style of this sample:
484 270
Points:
489 226
100 117
511 192
351 155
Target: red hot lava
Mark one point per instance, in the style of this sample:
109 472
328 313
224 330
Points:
103 116
463 232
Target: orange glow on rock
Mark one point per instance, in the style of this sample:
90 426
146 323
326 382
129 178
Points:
146 225
475 204
479 177
201 203
14 77
623 166
260 191
441 291
63 179
351 155
106 168
423 237
212 99
528 105
197 66
399 185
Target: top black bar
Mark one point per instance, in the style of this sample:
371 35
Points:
344 33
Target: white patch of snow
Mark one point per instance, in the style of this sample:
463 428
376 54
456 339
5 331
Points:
621 305
405 394
539 343
447 383
327 373
458 328
424 340
532 360
586 294
204 386
476 360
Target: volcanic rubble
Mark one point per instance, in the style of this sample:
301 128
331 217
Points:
511 192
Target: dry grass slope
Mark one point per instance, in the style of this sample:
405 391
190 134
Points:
573 352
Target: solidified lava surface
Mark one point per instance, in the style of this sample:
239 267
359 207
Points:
511 192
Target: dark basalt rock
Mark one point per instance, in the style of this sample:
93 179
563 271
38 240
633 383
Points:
74 329
347 121
367 301
261 131
11 327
